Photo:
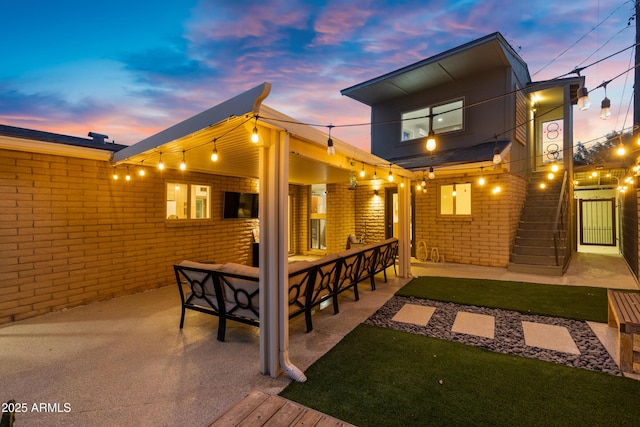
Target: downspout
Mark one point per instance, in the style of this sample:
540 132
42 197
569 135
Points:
293 371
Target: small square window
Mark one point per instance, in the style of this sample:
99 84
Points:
188 201
455 199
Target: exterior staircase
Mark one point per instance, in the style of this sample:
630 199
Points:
534 249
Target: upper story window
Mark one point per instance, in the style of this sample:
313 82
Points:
188 201
446 118
455 199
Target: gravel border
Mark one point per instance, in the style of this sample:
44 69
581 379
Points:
509 335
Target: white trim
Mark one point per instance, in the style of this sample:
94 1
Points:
56 149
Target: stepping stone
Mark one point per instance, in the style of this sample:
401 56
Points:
481 325
414 314
550 337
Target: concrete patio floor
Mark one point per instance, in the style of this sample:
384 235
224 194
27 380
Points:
126 362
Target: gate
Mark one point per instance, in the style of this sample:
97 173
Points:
597 222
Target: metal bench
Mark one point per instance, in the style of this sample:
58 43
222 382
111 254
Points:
624 313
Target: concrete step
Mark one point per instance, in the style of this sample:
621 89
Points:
535 234
533 259
538 250
536 241
537 225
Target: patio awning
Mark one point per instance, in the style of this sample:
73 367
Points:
230 124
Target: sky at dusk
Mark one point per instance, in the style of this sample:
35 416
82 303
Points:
130 69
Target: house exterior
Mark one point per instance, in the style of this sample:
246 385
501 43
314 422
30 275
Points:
494 128
72 234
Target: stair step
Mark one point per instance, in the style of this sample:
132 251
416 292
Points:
538 251
537 225
537 241
535 234
533 259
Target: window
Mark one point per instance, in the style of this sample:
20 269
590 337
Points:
318 216
446 118
455 199
188 201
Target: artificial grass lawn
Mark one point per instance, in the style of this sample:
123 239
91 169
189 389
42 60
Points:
382 377
573 302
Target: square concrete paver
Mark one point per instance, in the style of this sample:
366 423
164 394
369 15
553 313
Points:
481 325
414 314
550 337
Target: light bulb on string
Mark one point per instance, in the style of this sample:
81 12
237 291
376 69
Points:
127 176
331 150
183 163
214 153
362 173
254 134
481 180
390 177
432 174
160 163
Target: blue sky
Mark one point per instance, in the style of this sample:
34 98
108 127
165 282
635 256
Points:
130 69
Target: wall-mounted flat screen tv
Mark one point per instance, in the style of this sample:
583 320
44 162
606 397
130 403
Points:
240 205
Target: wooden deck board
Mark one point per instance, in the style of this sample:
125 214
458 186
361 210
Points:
261 409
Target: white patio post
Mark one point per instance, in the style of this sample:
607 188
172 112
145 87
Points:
274 313
404 228
269 255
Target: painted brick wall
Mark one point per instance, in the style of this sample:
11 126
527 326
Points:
70 234
340 216
486 237
370 213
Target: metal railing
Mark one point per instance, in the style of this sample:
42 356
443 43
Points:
561 223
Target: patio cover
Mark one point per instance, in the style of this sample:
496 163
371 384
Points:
288 152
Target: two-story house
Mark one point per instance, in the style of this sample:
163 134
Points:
483 139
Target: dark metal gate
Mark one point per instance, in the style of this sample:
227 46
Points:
597 222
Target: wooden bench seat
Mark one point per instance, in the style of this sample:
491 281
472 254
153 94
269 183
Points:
624 313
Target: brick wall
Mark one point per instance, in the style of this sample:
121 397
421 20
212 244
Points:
70 234
485 238
369 213
340 216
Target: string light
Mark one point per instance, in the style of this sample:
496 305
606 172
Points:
183 163
390 178
127 177
432 174
141 171
160 162
481 180
554 167
254 135
214 153
115 174
331 150
431 140
454 193
362 173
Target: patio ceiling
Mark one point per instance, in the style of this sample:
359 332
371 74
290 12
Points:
309 162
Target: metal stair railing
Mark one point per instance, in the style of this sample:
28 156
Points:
561 222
